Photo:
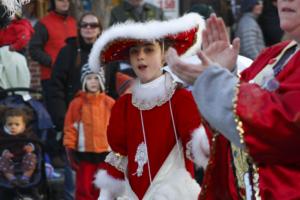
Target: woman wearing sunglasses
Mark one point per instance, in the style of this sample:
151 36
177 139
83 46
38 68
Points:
65 80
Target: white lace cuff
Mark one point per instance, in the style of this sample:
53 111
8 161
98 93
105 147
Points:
118 161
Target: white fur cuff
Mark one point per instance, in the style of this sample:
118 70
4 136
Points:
200 147
110 187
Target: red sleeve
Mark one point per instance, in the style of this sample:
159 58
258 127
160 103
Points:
23 31
117 138
72 119
116 129
271 121
186 114
2 34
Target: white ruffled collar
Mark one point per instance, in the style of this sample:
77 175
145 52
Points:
155 93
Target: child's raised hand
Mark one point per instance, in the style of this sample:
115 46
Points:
28 148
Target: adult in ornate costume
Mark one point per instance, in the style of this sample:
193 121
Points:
254 120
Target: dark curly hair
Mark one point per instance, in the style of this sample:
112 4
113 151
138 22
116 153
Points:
24 112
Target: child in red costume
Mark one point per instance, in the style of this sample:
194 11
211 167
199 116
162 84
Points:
150 131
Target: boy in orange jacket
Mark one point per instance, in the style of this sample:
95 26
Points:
85 131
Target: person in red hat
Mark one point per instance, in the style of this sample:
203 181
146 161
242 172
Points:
15 31
17 34
8 8
151 129
254 119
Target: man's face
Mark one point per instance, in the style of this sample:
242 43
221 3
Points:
62 6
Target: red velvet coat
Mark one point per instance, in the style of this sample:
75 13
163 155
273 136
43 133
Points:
125 134
271 124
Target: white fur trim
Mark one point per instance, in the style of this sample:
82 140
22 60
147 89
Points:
147 31
200 147
110 187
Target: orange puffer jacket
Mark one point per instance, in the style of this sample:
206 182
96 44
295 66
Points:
86 122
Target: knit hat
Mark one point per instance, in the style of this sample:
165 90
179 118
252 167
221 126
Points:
86 70
183 34
247 5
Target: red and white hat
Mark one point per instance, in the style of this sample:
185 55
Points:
114 43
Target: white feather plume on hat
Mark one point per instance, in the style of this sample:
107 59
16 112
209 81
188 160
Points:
13 5
119 35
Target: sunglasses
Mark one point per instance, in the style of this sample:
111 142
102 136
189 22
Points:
91 25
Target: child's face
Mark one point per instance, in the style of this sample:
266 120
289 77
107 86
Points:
146 61
92 83
15 124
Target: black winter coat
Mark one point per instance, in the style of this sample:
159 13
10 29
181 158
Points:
65 79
